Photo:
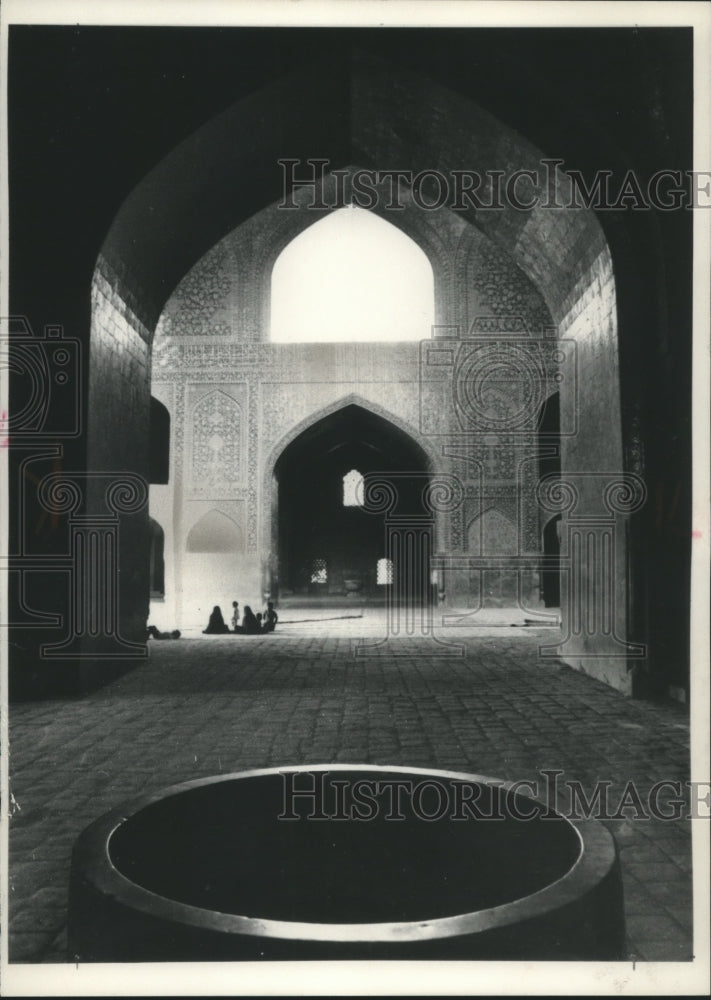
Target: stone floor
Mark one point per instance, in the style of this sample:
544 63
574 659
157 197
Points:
211 704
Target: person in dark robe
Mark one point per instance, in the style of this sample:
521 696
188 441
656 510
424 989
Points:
235 616
250 626
270 618
216 624
154 633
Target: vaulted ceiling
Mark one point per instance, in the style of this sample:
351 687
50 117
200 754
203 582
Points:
167 138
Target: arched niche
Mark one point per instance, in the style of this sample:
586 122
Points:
492 534
215 533
311 521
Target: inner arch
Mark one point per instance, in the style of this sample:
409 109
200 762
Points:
351 277
317 533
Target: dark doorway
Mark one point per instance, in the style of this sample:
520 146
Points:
549 436
549 465
550 578
159 442
328 545
157 564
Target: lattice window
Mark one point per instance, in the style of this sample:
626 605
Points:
217 436
319 571
384 572
353 489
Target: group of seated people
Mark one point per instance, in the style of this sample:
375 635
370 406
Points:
251 624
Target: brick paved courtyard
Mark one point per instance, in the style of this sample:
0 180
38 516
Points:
211 704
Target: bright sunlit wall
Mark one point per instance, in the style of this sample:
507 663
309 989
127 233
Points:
351 277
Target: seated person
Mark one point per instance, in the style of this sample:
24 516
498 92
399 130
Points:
153 633
216 624
270 618
250 625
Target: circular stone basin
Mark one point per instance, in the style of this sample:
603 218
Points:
341 862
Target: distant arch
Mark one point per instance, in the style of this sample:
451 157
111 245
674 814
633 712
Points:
311 514
433 459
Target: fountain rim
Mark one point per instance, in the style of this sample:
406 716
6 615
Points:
596 859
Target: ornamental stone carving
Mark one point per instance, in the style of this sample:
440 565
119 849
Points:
216 443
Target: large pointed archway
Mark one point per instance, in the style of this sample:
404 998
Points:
328 545
564 254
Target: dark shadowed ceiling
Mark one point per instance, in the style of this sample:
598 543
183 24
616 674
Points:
92 110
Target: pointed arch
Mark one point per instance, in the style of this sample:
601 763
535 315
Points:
156 236
492 533
215 532
309 519
433 459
